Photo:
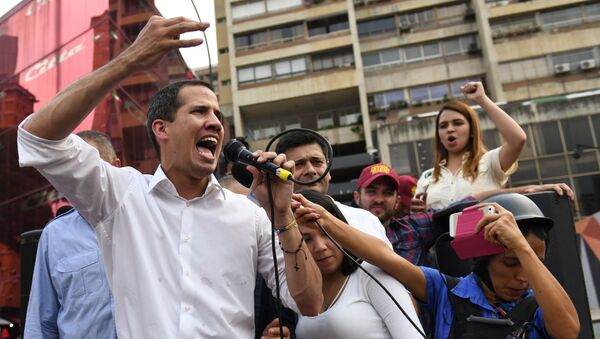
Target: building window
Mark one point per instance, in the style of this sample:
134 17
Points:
422 19
547 138
289 33
574 61
376 27
247 9
254 73
403 158
340 58
350 116
422 52
325 120
392 99
328 25
562 18
292 123
286 68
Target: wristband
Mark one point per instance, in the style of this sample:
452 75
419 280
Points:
291 225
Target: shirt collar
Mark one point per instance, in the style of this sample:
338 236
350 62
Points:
465 156
469 288
160 178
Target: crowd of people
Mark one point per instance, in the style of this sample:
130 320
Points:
180 254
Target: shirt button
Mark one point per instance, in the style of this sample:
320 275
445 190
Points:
186 308
187 203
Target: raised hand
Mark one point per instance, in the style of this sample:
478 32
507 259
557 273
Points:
474 91
158 37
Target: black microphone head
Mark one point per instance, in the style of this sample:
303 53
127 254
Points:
241 174
232 149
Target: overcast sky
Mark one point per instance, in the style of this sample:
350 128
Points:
195 57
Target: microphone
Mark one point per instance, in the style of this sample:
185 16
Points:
236 152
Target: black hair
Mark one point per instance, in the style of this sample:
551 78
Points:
102 142
165 103
299 138
527 227
348 266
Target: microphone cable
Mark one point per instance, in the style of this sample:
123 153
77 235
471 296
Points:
329 157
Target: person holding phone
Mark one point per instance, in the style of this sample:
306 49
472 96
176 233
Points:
510 287
462 164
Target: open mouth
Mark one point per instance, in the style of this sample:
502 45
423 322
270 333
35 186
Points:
451 138
207 145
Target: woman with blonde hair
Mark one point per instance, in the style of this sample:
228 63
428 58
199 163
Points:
463 166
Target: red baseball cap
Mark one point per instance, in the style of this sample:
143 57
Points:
375 171
406 188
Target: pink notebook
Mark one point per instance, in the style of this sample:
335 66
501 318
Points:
469 244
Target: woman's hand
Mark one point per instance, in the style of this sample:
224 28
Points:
306 212
272 331
474 91
501 228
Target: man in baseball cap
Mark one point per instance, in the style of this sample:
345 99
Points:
380 191
377 191
406 190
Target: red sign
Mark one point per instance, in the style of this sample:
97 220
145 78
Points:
48 44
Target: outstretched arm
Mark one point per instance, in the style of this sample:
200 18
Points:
513 134
69 107
560 189
367 247
560 316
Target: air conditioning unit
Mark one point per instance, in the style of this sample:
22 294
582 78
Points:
587 64
404 27
562 68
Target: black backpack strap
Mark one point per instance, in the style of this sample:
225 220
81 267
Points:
523 313
462 308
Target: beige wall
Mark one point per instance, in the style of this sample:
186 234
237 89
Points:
528 6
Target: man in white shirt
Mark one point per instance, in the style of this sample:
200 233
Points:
309 155
181 253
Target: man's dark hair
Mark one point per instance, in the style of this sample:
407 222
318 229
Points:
300 138
165 103
103 143
348 266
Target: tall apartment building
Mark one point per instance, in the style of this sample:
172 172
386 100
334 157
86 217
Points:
370 74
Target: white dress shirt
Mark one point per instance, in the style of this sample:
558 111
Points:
178 268
451 188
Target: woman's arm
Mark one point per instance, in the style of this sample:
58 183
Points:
560 316
363 245
513 134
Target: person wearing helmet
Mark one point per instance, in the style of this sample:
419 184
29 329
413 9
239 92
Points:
504 287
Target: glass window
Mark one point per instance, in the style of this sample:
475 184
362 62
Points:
370 59
349 118
390 55
258 39
553 166
292 123
276 5
419 94
547 138
394 99
438 92
562 18
491 139
247 9
592 12
413 53
431 50
299 65
577 131
573 58
262 72
425 154
587 162
452 47
287 33
324 120
242 41
596 125
246 74
587 189
403 158
526 172
377 26
283 68
328 25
